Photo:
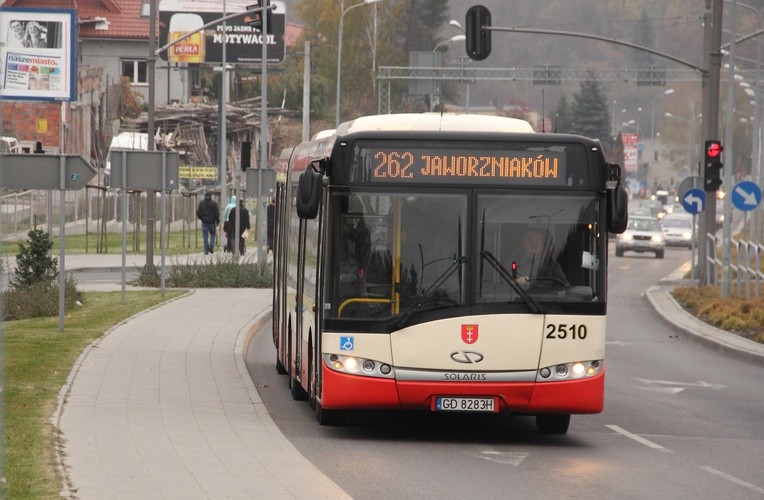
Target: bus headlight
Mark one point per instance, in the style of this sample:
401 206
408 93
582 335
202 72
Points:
570 371
358 366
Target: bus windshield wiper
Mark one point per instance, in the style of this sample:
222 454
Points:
512 282
406 315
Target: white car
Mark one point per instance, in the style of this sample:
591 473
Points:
643 234
678 230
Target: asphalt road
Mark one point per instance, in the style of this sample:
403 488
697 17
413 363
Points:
681 420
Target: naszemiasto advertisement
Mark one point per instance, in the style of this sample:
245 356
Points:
242 42
37 54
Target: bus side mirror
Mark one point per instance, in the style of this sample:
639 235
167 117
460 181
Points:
309 189
617 209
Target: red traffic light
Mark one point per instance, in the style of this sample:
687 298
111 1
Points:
714 149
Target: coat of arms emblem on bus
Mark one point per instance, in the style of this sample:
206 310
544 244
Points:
469 334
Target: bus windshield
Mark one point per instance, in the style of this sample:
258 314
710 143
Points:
403 252
393 248
548 245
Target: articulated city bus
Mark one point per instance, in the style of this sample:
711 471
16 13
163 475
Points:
444 263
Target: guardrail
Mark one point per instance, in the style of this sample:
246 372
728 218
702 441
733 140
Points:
745 263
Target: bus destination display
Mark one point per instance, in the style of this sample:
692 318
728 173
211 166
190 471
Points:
449 166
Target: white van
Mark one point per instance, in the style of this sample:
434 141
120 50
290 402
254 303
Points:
9 145
126 140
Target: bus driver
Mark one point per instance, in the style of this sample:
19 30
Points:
536 262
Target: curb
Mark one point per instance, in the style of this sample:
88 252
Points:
672 313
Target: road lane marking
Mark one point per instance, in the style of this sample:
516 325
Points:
700 383
638 439
732 479
501 457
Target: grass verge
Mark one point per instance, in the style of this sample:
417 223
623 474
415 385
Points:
177 243
735 314
38 359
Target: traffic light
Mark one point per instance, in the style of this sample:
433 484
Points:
246 149
712 178
256 21
478 41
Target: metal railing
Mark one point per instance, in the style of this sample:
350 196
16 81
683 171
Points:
95 212
745 264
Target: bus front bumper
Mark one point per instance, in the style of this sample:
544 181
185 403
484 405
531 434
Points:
353 392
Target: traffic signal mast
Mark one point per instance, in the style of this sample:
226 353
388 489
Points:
712 178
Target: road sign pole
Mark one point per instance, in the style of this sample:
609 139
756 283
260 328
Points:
162 228
61 250
123 154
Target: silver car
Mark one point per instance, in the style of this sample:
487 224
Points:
678 230
643 234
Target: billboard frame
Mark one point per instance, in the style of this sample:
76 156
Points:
243 42
52 64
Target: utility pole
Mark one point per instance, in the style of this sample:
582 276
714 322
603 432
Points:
712 42
151 195
260 207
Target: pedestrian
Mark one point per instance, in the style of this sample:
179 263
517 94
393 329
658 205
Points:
209 213
243 225
228 226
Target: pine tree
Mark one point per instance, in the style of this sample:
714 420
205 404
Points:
644 37
424 18
591 114
562 116
33 264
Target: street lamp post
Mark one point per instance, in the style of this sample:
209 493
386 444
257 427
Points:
690 127
455 38
652 104
339 55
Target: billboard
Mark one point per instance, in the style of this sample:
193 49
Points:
243 43
38 54
630 152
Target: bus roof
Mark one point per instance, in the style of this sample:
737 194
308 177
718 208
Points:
435 121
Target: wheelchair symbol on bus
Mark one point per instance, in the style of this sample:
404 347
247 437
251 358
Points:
346 343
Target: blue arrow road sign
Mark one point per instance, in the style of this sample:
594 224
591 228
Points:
694 200
746 196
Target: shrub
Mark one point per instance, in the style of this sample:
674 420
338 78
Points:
222 272
33 288
39 299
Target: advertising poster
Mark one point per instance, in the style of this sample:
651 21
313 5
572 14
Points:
242 42
38 54
630 142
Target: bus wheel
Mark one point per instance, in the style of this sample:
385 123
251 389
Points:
553 423
298 393
329 417
279 366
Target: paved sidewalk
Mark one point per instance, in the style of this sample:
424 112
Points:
163 407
